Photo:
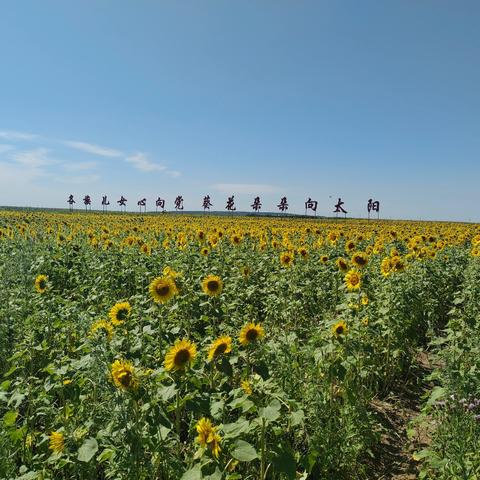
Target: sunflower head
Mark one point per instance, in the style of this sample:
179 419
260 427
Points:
342 264
220 346
123 375
180 356
119 313
102 325
41 283
353 280
146 248
386 266
360 259
286 259
208 436
204 251
246 271
324 259
212 285
251 333
303 252
246 387
340 328
162 289
57 442
349 246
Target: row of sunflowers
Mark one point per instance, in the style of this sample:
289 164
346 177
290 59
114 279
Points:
203 347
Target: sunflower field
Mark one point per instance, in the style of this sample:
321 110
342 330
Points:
180 347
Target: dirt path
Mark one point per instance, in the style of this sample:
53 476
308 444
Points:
395 412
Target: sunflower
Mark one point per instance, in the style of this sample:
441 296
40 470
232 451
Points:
360 259
352 280
208 436
303 252
246 271
286 259
170 272
349 246
340 328
119 313
386 266
250 333
212 285
236 239
162 289
246 387
204 251
104 325
181 355
57 442
147 249
342 264
41 283
123 374
364 300
397 264
324 259
219 347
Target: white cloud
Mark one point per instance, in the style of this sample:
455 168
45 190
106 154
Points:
77 179
141 162
246 188
94 149
33 158
80 166
12 135
173 173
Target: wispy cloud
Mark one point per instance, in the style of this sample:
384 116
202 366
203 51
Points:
80 166
246 188
94 149
13 135
77 179
33 158
174 173
38 157
141 162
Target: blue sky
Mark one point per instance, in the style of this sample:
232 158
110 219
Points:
322 99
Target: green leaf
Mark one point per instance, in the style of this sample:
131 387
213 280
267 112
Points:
297 417
284 462
10 418
437 393
106 454
272 412
87 450
194 473
244 452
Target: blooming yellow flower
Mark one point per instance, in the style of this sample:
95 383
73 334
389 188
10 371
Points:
57 442
286 259
123 374
119 313
102 325
352 280
340 328
41 283
162 289
212 285
208 437
246 387
181 355
220 346
250 333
